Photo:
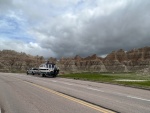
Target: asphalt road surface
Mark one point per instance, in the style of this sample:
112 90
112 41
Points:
20 93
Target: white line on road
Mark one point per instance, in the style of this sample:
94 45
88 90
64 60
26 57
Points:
0 110
119 94
63 82
129 96
68 84
94 89
138 98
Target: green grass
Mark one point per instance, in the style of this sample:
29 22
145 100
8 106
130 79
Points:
112 77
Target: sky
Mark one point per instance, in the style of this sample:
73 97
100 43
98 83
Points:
65 28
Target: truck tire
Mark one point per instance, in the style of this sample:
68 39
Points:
54 76
43 75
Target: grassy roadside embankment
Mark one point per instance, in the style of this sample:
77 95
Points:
127 79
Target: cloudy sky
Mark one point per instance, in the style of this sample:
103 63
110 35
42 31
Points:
60 28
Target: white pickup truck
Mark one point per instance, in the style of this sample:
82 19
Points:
48 69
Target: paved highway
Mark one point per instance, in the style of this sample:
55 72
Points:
20 93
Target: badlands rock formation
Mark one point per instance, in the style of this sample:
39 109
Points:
12 61
116 61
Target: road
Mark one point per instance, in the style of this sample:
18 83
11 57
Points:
20 93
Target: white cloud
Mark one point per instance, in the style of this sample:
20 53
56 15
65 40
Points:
30 48
69 27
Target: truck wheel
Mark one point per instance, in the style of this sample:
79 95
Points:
32 73
55 74
43 75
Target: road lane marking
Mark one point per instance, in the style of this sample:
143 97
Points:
94 89
138 98
129 96
98 108
63 83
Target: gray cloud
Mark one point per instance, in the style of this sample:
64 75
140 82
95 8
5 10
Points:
127 27
84 29
5 6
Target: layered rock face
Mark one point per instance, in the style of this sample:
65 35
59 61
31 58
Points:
116 61
78 64
138 58
12 61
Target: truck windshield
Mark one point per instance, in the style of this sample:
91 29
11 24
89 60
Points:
50 65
